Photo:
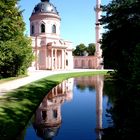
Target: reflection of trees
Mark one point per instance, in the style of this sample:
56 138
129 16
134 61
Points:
85 82
81 87
91 88
125 111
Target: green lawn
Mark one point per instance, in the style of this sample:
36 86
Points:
17 107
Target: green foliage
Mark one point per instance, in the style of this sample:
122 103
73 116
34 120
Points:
91 49
11 22
15 48
135 81
122 24
15 57
121 51
124 111
82 50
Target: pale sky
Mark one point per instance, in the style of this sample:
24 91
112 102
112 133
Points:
77 18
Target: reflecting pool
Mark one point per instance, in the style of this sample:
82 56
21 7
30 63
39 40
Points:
73 110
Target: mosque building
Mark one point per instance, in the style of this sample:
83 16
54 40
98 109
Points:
50 50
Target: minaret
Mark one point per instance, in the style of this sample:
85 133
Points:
98 51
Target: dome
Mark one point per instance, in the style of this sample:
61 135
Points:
44 7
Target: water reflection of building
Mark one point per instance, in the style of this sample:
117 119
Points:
48 115
97 83
99 107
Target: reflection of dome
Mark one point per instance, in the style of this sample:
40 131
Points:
44 7
46 132
51 132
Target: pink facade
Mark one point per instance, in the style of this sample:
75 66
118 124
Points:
86 62
50 50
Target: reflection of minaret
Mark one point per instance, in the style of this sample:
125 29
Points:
48 115
99 94
98 52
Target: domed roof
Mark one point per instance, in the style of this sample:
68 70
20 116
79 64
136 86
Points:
44 7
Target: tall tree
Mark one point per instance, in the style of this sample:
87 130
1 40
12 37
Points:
15 47
11 22
122 24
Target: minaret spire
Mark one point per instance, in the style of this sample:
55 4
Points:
98 52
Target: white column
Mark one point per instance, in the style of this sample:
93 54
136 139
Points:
62 59
56 59
36 53
52 61
59 60
49 59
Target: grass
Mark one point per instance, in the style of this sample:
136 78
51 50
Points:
17 107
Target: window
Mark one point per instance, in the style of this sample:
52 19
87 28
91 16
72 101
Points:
42 28
55 113
53 29
32 29
67 62
44 115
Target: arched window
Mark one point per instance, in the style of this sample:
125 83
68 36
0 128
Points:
42 28
53 29
32 29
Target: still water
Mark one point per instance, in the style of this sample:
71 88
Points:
73 110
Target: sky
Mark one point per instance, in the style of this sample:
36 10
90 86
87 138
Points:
77 18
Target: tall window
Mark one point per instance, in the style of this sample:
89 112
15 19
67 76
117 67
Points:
44 115
67 62
53 29
55 113
42 28
32 29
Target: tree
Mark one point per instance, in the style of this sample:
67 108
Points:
11 22
91 49
80 50
135 81
15 47
122 22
